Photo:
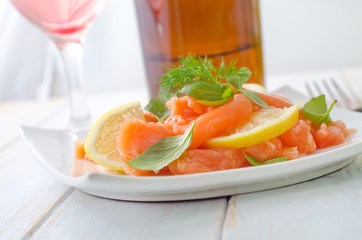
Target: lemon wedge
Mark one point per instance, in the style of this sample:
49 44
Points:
101 142
262 126
254 87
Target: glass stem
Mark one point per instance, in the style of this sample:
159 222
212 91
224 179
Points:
72 58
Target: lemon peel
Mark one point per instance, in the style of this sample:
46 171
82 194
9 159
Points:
262 126
101 142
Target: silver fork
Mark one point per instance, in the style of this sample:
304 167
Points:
333 91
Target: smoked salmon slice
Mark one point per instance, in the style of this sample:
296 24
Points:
221 119
299 136
207 160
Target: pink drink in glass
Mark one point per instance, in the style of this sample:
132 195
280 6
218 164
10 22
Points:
66 22
63 20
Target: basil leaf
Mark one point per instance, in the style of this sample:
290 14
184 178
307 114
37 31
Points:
239 77
213 103
163 152
228 92
255 162
275 160
255 98
238 80
204 90
157 106
316 110
208 93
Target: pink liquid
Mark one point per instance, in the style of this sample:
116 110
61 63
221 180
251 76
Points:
63 20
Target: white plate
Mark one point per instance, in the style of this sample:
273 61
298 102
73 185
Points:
54 149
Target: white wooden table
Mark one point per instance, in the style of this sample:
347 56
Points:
33 204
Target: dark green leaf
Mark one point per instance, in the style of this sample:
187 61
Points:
163 152
228 92
158 106
275 160
239 77
209 93
204 90
316 110
195 68
255 98
213 103
255 162
188 69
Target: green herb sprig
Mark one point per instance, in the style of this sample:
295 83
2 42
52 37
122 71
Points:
193 68
317 111
163 152
255 162
158 106
198 78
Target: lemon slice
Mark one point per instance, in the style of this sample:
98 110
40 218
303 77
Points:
254 87
262 126
101 142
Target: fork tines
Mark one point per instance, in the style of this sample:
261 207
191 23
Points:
333 91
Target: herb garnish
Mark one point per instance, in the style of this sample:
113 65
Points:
239 78
208 93
255 162
210 85
163 152
254 97
316 110
158 106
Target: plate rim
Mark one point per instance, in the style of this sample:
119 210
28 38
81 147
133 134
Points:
230 176
91 182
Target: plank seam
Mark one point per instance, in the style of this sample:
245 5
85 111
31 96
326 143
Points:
224 217
47 214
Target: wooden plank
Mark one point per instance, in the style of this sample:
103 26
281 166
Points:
29 195
83 216
13 114
27 191
103 218
329 207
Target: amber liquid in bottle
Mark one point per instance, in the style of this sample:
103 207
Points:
218 29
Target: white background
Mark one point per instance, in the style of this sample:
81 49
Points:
298 36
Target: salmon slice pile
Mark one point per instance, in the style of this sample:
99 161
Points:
136 135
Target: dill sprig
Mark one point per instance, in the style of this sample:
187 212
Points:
198 78
193 68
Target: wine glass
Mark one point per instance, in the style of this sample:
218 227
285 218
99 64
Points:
66 22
